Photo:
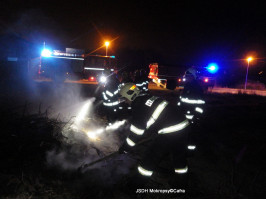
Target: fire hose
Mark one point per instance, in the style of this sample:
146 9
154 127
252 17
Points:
84 166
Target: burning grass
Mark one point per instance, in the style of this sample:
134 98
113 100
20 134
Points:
41 157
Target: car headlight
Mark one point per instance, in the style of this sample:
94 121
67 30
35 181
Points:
103 79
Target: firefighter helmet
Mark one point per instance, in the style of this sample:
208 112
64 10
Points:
191 72
129 91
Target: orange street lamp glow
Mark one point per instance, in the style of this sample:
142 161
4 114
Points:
107 44
248 59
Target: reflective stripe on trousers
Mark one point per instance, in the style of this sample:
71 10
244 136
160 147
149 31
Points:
181 170
192 101
144 172
191 147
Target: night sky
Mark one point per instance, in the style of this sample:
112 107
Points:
169 32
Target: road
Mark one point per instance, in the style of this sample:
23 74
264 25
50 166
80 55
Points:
152 86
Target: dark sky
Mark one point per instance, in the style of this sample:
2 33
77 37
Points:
172 32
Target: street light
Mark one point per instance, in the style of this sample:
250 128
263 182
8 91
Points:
248 59
107 44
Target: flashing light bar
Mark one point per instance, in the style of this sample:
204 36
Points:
92 68
66 54
212 68
66 58
46 53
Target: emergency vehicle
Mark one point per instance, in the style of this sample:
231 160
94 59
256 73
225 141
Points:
94 66
72 64
171 77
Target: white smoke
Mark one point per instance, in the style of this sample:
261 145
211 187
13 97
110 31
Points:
88 139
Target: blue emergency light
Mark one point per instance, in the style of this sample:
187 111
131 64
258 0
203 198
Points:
46 53
212 68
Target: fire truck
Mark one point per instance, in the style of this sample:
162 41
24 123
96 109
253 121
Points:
172 76
94 66
71 64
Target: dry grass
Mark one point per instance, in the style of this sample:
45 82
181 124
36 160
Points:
229 162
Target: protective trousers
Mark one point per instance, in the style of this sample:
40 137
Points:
170 149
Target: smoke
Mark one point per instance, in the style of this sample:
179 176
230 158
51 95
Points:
59 100
86 139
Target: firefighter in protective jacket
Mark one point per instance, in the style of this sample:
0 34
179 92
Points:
192 102
141 80
151 116
110 95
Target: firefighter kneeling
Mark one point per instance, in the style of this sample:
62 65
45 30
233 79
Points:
154 117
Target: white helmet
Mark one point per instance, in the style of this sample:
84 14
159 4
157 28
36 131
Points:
191 71
129 91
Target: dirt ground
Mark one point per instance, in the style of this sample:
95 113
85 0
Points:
229 161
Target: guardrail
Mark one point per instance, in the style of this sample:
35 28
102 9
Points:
237 91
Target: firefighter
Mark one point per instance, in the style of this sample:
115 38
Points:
110 95
141 80
145 80
124 109
191 101
154 117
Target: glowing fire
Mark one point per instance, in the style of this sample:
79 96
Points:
94 135
93 132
